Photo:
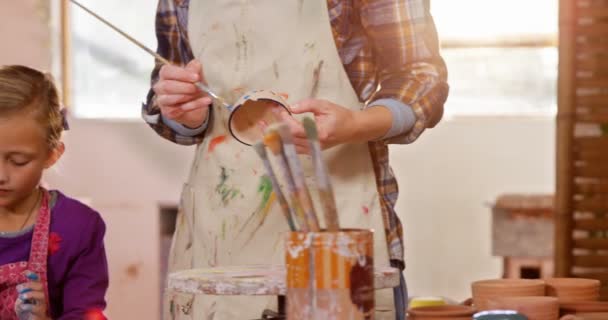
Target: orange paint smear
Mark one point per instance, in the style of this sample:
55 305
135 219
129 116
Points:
215 142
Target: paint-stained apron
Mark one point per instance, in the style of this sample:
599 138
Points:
228 215
12 274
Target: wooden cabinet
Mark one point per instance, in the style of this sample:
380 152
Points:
581 242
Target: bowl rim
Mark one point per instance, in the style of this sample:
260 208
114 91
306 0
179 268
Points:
572 282
451 309
501 283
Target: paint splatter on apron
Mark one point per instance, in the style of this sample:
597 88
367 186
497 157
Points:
228 213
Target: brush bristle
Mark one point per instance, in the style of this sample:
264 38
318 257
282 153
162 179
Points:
273 127
260 148
273 141
311 128
285 133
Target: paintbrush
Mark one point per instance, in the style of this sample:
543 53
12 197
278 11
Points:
203 87
326 192
273 141
298 177
260 148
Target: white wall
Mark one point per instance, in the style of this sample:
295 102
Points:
448 177
24 31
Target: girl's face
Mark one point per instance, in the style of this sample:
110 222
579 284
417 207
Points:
24 154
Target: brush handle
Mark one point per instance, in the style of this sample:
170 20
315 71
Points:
326 192
277 190
298 177
203 87
291 188
272 140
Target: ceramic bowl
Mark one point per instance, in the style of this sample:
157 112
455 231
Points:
446 312
487 289
573 289
250 110
535 308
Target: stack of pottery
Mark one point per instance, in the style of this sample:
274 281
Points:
573 289
446 312
534 308
586 316
578 296
583 307
534 299
566 296
585 310
486 290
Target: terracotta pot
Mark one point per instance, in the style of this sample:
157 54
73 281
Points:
447 312
583 307
535 308
573 289
586 316
488 289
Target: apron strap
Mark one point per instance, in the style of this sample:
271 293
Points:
40 238
40 243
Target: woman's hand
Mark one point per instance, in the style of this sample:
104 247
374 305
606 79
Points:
177 96
335 124
31 303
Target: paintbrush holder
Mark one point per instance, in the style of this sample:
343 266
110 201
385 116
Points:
330 275
250 110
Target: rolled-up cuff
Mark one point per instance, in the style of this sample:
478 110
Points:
404 117
182 130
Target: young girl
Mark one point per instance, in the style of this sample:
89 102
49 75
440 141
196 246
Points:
52 257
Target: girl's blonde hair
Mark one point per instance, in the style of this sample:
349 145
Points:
28 91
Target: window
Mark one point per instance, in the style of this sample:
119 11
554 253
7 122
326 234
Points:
501 81
110 75
501 55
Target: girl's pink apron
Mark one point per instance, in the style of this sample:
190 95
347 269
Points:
12 275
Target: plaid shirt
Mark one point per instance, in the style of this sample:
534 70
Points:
389 49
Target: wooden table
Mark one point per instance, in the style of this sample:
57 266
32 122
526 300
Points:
255 280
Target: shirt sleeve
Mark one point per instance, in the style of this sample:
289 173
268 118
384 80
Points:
173 45
87 280
412 76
